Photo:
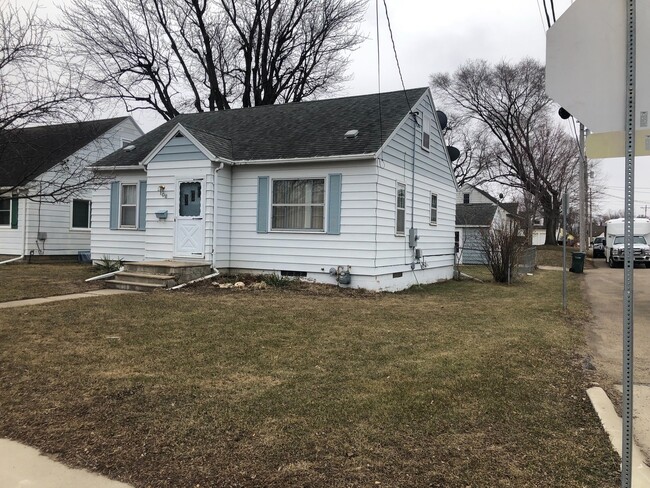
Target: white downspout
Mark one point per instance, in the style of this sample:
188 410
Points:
22 255
214 213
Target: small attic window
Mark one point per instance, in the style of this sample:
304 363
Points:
352 134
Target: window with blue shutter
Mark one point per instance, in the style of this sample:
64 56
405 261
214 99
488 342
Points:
142 205
262 204
334 204
115 206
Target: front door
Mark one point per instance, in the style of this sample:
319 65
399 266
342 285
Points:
190 224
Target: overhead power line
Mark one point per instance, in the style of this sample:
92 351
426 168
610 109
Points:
399 68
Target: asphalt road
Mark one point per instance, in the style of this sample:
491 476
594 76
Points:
604 287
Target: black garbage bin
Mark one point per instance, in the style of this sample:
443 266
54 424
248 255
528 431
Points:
577 262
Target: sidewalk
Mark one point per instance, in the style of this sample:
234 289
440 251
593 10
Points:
73 296
22 466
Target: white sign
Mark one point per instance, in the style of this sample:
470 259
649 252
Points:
585 63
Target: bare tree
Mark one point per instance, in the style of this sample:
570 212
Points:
36 88
527 149
174 56
473 143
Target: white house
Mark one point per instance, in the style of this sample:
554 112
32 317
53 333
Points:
360 184
49 160
476 212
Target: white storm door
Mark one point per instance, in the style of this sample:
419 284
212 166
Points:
190 224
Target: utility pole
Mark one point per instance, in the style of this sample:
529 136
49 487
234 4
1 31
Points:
583 191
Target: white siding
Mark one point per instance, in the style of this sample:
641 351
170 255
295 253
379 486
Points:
475 196
161 233
433 174
11 240
127 244
54 218
224 204
305 251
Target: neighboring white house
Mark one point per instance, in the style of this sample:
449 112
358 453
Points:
297 189
48 159
539 231
477 212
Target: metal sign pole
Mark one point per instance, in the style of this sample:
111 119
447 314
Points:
565 210
628 314
583 191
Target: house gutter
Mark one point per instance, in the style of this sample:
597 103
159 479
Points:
132 167
316 159
214 211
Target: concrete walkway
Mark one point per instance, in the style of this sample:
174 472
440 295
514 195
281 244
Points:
73 296
23 467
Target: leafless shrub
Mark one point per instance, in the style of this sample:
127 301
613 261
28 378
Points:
502 246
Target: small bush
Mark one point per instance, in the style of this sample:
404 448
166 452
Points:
108 265
278 281
502 247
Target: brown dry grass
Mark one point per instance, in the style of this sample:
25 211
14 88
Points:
453 385
22 280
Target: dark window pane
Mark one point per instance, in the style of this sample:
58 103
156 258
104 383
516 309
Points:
190 201
80 214
400 221
5 211
128 216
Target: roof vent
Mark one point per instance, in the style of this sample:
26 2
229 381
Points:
352 134
129 148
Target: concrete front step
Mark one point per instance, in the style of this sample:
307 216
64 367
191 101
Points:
165 280
150 275
183 271
134 286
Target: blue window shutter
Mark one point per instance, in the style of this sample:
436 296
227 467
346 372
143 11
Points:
142 205
14 213
115 205
334 204
262 204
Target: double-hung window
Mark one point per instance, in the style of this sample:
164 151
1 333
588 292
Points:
128 205
400 206
81 214
434 209
5 212
298 204
426 133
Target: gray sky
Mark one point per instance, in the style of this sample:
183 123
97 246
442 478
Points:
435 37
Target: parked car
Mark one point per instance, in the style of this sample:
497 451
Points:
599 247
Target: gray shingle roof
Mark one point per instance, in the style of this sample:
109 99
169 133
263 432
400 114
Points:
292 130
28 152
475 214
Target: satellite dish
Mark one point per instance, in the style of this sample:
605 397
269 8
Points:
453 152
563 113
442 118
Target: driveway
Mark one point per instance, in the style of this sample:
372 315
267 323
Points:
605 336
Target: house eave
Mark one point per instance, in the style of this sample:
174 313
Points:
314 159
131 167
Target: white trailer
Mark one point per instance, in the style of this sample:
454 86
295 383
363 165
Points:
614 241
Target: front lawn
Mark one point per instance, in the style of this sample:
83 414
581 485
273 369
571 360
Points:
21 280
461 384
